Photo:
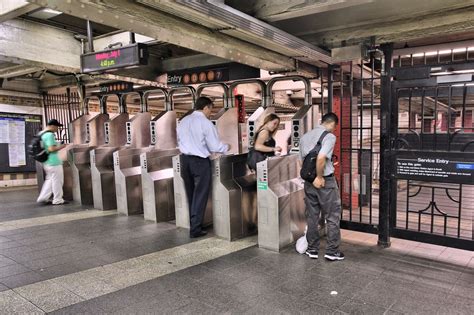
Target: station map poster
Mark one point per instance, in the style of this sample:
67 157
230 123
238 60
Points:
446 167
16 132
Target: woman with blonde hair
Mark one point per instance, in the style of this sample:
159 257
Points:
265 144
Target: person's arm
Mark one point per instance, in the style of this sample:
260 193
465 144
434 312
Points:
327 148
212 140
259 143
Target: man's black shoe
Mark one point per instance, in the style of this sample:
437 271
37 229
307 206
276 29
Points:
199 234
335 256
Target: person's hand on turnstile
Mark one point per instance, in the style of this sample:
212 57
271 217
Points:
277 150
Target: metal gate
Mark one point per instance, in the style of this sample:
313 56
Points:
354 93
63 107
430 153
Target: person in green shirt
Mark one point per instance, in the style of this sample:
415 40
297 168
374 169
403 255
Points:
53 166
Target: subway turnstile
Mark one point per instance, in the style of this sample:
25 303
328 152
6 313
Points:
157 169
280 190
157 185
281 207
127 167
234 192
234 197
101 163
78 158
102 174
181 201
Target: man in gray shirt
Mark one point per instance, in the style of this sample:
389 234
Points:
322 195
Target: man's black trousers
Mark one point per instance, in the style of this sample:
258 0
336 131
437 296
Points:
197 176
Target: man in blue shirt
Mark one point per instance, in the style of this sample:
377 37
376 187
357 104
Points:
53 166
197 140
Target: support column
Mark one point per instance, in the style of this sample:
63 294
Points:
388 116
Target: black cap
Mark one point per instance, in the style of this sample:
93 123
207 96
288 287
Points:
54 122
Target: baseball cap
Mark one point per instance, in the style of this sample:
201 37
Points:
54 122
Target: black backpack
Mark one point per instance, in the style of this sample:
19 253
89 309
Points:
36 148
308 169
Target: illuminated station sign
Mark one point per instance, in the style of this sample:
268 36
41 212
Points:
102 61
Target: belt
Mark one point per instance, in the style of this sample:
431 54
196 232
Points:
330 175
195 156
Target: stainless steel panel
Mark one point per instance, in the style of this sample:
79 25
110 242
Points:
157 185
234 197
181 201
77 129
96 129
79 161
280 199
140 124
117 131
165 130
128 184
103 181
227 124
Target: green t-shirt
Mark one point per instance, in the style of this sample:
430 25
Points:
49 140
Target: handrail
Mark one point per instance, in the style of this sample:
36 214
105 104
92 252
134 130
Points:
184 87
259 82
168 105
224 87
123 98
307 87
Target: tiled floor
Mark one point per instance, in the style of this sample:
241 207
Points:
52 260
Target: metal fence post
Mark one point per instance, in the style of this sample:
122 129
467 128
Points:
385 147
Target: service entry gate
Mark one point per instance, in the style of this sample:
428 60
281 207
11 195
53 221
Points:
405 144
432 154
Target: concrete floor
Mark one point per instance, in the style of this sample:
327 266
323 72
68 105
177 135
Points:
71 260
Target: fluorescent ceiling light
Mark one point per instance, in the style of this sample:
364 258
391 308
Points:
45 14
441 52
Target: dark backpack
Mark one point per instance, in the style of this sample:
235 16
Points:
308 169
36 148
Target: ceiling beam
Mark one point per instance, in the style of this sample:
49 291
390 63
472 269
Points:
442 22
188 62
10 9
17 71
40 46
143 20
271 11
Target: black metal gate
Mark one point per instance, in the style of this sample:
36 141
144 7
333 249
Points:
63 107
354 95
430 152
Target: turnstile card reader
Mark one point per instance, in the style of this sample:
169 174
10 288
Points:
234 197
163 131
303 121
138 130
280 199
255 121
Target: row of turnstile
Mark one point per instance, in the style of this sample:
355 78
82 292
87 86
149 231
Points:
133 165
